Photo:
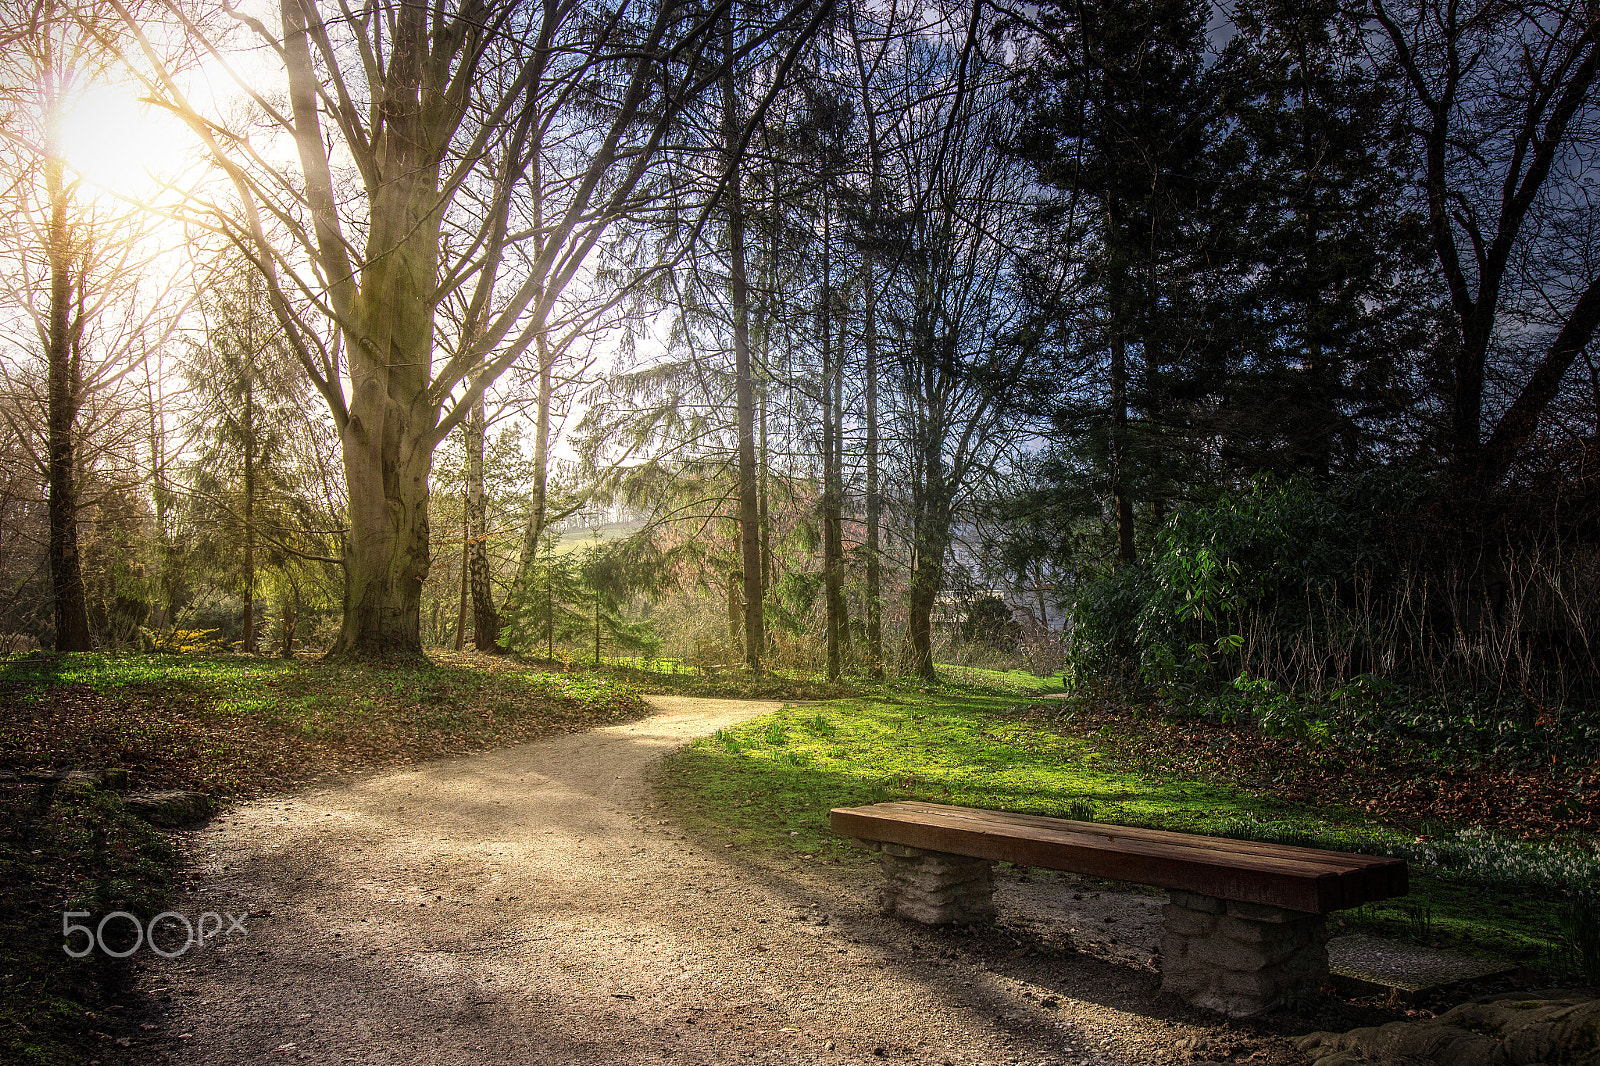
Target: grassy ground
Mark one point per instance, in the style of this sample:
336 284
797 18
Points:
227 726
770 784
676 677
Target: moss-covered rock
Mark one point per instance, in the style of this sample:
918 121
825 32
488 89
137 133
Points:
1552 1028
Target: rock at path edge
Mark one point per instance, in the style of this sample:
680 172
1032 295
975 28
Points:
1516 1029
170 808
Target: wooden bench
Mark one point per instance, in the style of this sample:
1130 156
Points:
1245 930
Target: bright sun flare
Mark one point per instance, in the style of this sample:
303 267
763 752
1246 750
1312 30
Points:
117 142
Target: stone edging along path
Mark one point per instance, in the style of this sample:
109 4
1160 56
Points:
531 905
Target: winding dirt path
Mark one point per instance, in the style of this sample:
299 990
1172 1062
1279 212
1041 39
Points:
529 905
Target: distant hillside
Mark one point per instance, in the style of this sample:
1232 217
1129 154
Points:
576 537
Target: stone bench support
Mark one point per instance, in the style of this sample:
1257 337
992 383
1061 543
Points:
1241 958
932 887
1220 953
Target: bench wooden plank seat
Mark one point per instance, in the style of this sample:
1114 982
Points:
1244 933
1308 880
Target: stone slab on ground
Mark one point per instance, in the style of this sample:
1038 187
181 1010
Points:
170 808
1519 1029
1367 965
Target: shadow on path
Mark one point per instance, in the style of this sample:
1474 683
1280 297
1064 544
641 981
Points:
530 905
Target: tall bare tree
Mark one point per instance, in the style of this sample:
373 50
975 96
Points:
1506 117
53 61
416 129
82 268
957 370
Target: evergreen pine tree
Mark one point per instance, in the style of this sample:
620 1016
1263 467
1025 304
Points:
247 497
1330 253
1121 120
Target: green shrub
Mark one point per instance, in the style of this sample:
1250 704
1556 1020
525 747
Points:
1280 549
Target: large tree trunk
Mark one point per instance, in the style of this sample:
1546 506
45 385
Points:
387 453
932 493
463 595
65 387
485 619
744 388
388 436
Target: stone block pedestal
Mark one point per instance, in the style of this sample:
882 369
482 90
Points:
1241 958
932 887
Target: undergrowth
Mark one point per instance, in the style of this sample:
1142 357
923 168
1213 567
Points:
1374 716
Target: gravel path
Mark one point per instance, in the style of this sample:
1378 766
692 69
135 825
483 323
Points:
530 905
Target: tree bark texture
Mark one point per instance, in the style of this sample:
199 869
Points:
930 541
461 603
386 549
64 334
